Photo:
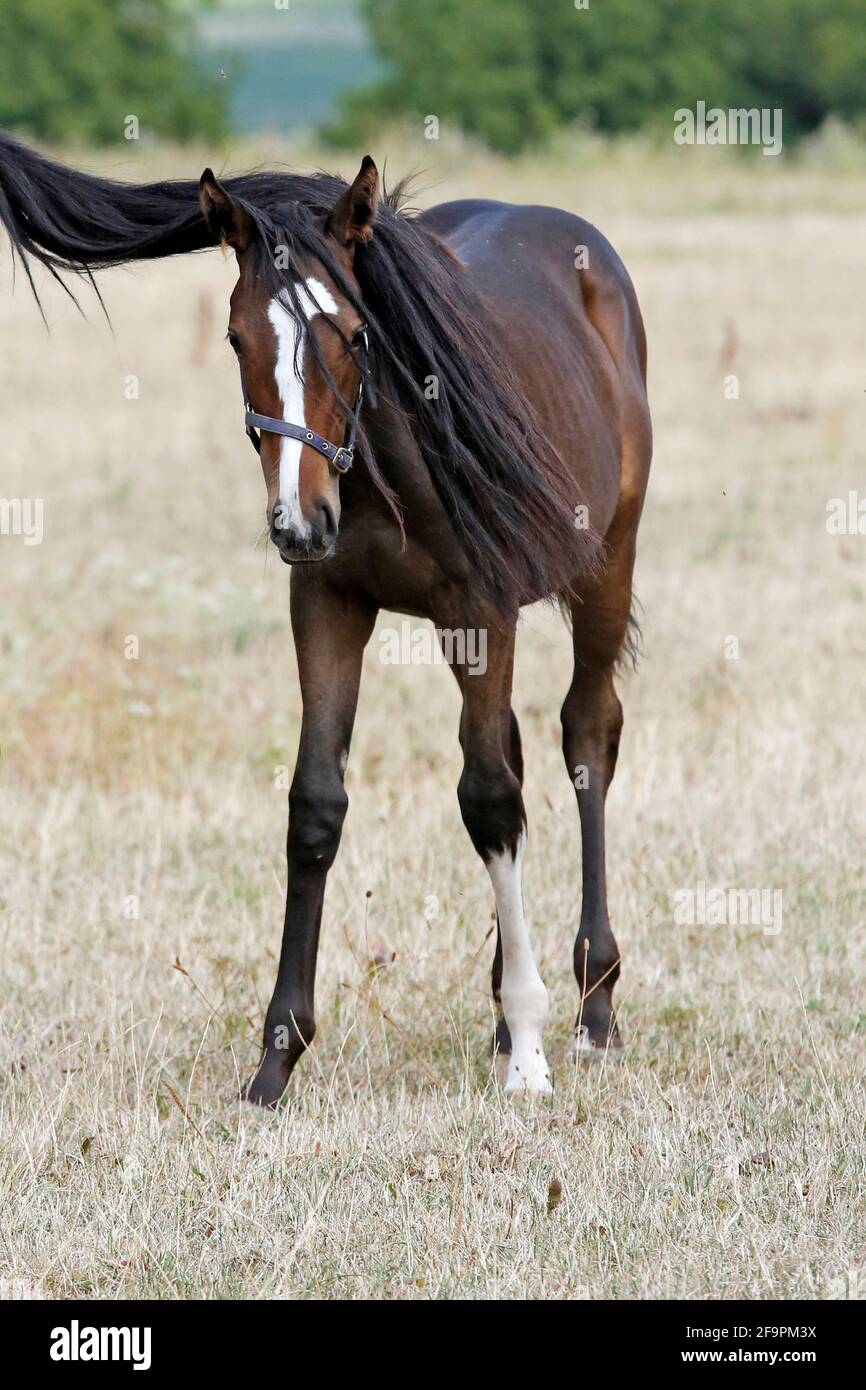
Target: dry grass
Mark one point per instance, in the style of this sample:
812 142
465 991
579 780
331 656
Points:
396 1168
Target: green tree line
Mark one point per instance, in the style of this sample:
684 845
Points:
511 71
75 69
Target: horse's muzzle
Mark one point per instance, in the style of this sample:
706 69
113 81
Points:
315 542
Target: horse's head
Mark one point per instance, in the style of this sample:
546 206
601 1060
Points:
289 339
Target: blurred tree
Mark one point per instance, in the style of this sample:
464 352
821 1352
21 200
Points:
510 70
76 69
471 61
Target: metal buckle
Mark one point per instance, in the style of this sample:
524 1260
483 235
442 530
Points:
342 460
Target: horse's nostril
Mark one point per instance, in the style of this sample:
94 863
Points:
327 520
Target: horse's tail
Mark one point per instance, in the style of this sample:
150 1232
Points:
77 222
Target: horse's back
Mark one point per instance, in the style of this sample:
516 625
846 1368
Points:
550 259
568 318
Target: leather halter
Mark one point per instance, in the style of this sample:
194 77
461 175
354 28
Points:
340 455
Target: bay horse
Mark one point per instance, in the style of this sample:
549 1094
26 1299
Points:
451 414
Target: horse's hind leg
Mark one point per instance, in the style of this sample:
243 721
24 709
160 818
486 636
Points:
591 726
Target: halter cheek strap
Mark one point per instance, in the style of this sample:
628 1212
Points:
340 455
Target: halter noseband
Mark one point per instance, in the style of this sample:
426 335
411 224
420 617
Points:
340 455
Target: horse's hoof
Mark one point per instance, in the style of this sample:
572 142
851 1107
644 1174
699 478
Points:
266 1087
528 1075
525 1095
584 1049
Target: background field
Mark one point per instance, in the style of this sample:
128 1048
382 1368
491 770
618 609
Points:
725 1157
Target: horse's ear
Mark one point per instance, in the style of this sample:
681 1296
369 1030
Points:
351 219
227 219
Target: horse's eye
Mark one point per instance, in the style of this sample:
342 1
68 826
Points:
234 340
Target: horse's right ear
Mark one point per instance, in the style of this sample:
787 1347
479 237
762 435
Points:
351 219
227 219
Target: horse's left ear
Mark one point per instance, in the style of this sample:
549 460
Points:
351 219
227 219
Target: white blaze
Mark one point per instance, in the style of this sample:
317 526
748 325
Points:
315 298
524 998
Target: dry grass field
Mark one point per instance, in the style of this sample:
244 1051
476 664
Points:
725 1156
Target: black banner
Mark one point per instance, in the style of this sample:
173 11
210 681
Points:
142 1338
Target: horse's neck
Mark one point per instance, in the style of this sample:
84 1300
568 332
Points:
400 462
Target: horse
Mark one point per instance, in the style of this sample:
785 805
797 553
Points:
450 410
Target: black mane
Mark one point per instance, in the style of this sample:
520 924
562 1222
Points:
507 491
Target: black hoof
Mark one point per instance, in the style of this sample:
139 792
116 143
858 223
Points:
596 1028
268 1084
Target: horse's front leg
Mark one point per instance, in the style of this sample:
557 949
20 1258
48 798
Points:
491 803
331 630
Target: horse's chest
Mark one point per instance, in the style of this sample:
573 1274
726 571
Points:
405 577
